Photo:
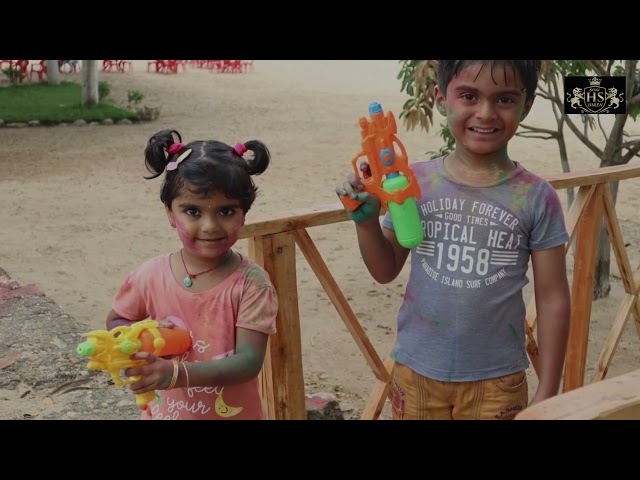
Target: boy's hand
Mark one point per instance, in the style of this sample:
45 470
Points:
354 188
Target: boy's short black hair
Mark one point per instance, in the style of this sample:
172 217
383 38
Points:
529 70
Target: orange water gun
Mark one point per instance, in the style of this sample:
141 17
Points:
110 351
389 176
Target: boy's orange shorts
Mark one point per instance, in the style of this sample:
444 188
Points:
414 397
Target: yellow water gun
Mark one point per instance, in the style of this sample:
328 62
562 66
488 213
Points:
110 350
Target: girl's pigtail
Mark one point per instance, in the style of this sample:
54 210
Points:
261 157
156 156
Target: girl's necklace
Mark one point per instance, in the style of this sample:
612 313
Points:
188 280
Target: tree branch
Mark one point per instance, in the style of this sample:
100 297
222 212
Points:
532 131
633 152
583 138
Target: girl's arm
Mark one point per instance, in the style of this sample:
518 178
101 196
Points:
240 367
115 320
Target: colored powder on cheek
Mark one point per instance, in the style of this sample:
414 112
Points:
184 238
234 234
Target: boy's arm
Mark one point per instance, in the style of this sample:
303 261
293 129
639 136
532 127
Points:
553 306
383 256
381 252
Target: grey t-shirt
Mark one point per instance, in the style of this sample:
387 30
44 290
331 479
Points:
463 313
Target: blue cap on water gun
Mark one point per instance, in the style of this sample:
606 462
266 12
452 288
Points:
374 107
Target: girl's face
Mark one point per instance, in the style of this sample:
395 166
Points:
484 107
208 225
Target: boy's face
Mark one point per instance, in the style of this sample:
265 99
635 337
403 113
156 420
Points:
484 107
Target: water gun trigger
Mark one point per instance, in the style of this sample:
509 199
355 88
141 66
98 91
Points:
361 170
349 203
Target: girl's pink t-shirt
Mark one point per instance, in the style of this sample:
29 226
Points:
245 299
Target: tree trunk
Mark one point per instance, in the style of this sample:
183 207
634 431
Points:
53 72
601 281
89 83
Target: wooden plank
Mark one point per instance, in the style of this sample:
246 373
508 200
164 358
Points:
379 394
593 176
613 338
582 291
283 379
264 379
266 385
340 303
617 241
636 311
268 224
617 398
620 252
575 212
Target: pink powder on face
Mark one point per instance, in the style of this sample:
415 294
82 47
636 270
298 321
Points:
184 238
234 235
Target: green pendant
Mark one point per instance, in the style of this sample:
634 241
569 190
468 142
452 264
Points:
187 281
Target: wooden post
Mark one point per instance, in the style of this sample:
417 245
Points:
587 236
282 375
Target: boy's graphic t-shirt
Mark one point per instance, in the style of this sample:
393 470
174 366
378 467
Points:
463 313
245 299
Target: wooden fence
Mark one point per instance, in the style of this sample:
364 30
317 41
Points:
272 243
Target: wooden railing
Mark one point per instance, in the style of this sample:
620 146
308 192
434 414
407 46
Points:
272 243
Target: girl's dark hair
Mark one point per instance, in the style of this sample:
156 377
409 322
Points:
529 70
211 166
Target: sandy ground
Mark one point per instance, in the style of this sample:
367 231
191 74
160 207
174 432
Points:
77 215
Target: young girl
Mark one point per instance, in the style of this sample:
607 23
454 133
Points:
224 299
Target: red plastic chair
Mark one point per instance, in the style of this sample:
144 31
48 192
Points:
123 64
213 65
168 66
109 65
21 66
247 65
232 66
39 69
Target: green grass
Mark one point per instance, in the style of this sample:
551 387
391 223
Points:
52 104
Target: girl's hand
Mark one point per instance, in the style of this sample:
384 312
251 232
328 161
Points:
156 375
171 321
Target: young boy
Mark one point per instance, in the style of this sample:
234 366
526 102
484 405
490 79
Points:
460 350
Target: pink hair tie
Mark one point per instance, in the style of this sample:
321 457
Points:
175 148
173 165
240 148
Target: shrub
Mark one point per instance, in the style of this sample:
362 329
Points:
104 89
